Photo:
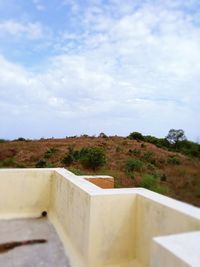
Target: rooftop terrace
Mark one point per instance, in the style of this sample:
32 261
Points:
87 226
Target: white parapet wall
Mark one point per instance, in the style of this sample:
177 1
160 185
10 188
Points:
105 227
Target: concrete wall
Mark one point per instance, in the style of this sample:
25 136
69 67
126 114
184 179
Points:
181 250
112 229
103 227
70 213
158 215
24 193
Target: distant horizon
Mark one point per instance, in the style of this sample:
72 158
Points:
70 67
86 134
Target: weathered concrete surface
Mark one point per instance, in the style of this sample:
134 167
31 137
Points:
49 254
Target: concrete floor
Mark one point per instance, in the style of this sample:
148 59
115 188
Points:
50 254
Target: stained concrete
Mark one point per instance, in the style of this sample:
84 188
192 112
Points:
49 254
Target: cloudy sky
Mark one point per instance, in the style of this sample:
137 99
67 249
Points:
69 67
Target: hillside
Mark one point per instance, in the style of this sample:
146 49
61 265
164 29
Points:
131 162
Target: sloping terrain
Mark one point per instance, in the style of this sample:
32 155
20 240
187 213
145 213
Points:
132 163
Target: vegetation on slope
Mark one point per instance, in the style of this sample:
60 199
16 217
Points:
168 166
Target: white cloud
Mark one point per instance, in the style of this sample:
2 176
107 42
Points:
39 6
137 69
32 31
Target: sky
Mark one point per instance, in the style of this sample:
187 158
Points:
72 67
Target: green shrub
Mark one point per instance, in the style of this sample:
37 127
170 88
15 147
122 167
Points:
163 178
148 181
50 152
68 160
173 160
136 136
133 164
92 158
102 135
72 156
75 171
149 157
160 189
9 162
21 139
41 164
3 141
135 152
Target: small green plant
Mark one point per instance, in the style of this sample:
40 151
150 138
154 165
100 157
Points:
163 178
133 164
75 171
92 158
9 162
173 160
72 156
149 157
135 152
160 189
67 160
50 152
41 164
148 181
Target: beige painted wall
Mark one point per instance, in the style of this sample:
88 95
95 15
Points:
70 213
112 230
99 228
157 216
24 193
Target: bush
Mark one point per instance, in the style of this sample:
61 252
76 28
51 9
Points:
21 139
9 162
72 156
102 135
75 171
3 141
67 160
136 136
173 160
50 152
148 181
135 152
149 157
41 164
160 189
133 165
93 157
163 178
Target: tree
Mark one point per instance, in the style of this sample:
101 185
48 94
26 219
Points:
136 136
175 136
92 157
